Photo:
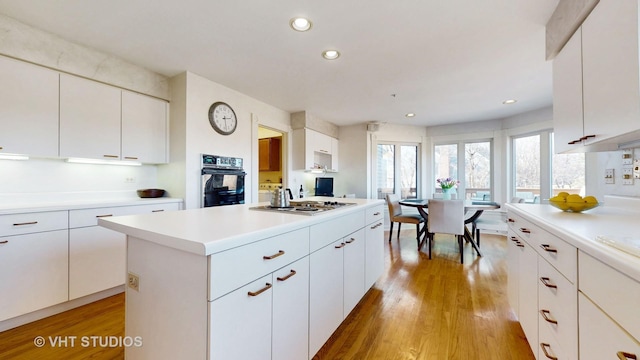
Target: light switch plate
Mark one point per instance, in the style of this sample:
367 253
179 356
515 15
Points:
636 169
609 177
627 157
627 176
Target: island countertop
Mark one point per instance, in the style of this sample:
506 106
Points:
210 230
613 219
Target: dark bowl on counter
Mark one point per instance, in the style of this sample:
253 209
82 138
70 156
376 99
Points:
151 193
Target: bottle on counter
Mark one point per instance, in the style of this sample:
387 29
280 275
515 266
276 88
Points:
301 192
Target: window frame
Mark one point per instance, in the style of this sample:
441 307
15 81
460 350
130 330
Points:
397 160
462 187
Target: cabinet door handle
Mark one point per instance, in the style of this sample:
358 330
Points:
573 142
340 246
105 215
350 241
111 156
513 238
285 278
267 287
131 157
587 137
525 230
544 347
510 220
376 226
25 223
376 213
548 248
519 244
545 315
160 210
626 356
545 281
4 242
271 257
1 148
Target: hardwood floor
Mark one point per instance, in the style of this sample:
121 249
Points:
419 309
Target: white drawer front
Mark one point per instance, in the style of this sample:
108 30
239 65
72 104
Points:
373 214
325 233
615 293
27 223
557 301
231 269
89 217
522 228
560 254
549 347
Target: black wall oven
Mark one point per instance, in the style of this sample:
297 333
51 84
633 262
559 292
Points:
222 180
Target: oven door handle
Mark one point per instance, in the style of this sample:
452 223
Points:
209 171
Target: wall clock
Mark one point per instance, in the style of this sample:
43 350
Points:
222 118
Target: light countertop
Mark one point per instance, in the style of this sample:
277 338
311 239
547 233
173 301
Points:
75 204
210 230
612 219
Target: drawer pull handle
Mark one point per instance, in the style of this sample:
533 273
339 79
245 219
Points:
519 244
111 156
511 220
271 257
267 287
545 316
544 347
131 157
376 226
4 242
548 248
160 210
350 241
340 246
514 239
106 215
285 278
376 213
525 230
626 356
545 281
25 223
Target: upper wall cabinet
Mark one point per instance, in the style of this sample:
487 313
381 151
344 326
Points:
597 74
89 119
144 128
314 150
28 109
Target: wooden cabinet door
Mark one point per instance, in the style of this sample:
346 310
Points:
97 260
33 272
354 270
325 294
567 95
528 294
144 128
89 119
290 337
269 154
240 323
374 253
610 69
28 109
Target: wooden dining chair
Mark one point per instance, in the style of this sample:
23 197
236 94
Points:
395 215
446 217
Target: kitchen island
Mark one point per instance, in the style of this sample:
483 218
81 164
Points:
235 283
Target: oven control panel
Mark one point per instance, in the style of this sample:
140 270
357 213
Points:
221 162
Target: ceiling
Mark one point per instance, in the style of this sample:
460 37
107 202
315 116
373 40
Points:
446 61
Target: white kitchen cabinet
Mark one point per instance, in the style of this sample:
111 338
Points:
89 119
374 247
528 294
354 270
33 262
314 150
28 109
326 293
513 262
290 335
144 128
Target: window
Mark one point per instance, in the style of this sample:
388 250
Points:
567 173
526 155
475 169
397 170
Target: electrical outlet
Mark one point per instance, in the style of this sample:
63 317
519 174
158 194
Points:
134 281
609 177
636 169
627 176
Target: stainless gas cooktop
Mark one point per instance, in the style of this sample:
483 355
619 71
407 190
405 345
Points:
304 207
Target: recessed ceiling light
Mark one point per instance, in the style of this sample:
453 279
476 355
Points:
510 101
410 115
300 24
331 54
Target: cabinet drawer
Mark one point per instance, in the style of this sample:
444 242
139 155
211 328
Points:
557 301
325 233
521 227
373 214
615 293
560 254
231 269
549 347
89 217
601 337
27 223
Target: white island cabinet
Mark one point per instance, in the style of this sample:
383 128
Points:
234 283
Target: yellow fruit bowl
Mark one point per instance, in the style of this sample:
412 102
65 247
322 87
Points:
573 202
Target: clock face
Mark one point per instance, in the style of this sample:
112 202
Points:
222 118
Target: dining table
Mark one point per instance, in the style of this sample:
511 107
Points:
475 206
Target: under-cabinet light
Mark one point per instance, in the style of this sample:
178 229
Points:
103 162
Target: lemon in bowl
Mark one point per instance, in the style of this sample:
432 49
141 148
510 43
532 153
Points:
573 202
